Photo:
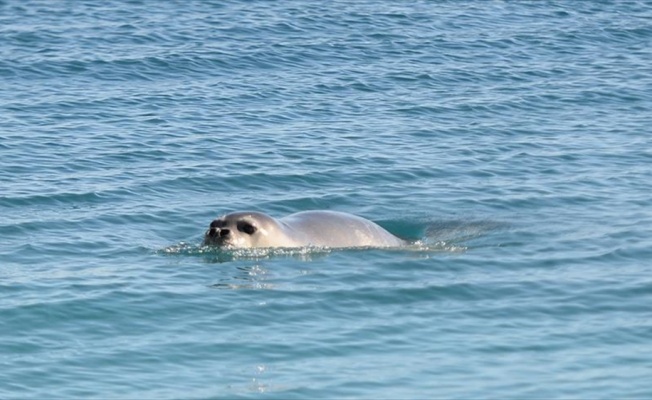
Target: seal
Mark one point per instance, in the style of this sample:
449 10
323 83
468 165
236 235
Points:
333 229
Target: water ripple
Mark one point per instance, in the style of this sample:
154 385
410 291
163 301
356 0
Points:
508 141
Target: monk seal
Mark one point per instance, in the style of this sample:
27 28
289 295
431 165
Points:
304 229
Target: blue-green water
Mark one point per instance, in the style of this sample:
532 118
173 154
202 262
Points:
514 138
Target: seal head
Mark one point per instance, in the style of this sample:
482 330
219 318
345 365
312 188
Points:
246 230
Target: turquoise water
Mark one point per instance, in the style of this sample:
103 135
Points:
511 138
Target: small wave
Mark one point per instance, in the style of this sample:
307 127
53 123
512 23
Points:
456 231
220 254
428 245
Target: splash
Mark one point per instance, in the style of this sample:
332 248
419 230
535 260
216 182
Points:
222 254
427 245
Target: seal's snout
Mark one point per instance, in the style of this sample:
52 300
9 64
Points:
218 233
215 232
217 229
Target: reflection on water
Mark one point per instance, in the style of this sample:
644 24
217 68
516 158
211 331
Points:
436 238
246 277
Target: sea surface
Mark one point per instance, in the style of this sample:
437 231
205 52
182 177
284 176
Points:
510 142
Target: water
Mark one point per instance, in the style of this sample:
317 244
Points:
513 138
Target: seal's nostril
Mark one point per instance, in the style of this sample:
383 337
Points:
224 232
213 232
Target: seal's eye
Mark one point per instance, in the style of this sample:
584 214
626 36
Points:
246 227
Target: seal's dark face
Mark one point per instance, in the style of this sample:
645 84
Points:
233 230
